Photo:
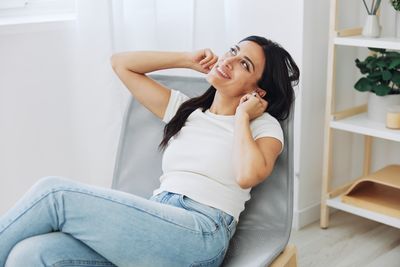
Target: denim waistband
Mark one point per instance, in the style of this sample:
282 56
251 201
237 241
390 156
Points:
190 204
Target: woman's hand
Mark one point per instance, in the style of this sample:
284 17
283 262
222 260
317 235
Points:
252 104
203 60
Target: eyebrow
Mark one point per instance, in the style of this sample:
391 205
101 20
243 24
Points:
247 58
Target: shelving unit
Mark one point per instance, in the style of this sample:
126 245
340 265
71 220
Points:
373 195
360 124
361 41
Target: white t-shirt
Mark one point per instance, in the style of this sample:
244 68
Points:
198 160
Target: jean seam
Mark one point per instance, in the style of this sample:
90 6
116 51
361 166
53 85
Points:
81 263
130 206
75 190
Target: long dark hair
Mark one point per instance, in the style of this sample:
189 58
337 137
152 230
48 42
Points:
279 76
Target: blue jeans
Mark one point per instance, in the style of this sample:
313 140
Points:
60 222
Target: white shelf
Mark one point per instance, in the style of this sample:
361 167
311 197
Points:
338 204
361 41
5 21
362 125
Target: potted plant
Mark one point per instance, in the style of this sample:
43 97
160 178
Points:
381 79
396 6
372 27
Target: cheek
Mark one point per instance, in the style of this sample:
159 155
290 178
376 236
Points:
246 83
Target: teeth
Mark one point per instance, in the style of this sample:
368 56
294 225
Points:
223 73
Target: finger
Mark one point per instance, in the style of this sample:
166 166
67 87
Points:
243 99
211 63
257 96
264 104
208 55
262 100
205 71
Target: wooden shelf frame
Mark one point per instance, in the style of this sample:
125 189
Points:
351 120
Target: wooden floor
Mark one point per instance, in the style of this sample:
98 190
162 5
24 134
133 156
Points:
350 240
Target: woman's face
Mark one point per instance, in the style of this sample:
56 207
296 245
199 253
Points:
237 72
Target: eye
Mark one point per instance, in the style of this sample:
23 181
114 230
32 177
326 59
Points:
245 65
233 51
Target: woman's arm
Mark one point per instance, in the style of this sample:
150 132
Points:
247 157
253 160
132 66
147 61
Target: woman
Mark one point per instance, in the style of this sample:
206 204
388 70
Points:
190 219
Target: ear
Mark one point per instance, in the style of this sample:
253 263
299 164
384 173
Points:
261 92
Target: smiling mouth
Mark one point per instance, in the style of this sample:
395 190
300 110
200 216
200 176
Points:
222 73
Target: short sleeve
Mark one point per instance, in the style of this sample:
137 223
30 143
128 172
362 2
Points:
175 101
267 126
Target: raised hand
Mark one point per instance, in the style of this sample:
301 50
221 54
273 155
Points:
203 60
252 104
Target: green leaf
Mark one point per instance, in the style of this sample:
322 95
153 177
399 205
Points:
363 85
372 64
381 63
386 75
381 89
394 64
393 54
361 66
377 74
396 77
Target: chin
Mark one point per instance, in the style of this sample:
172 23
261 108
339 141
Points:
211 80
214 80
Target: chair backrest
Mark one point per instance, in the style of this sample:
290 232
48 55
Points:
265 224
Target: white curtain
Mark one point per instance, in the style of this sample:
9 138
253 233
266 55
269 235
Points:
193 24
174 25
61 104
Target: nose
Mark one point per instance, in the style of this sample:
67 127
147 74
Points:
227 61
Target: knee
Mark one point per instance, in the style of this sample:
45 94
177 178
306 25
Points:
25 253
50 183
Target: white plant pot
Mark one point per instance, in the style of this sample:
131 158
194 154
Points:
397 26
378 105
372 27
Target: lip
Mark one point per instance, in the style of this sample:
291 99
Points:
218 69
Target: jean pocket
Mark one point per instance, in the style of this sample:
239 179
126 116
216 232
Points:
230 223
209 214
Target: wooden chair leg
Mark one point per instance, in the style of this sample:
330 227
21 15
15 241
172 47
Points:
288 257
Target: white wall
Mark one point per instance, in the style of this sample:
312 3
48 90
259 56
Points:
60 106
310 113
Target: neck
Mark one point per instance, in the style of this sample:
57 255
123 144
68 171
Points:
224 105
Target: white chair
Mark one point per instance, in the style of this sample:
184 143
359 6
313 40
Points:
262 235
